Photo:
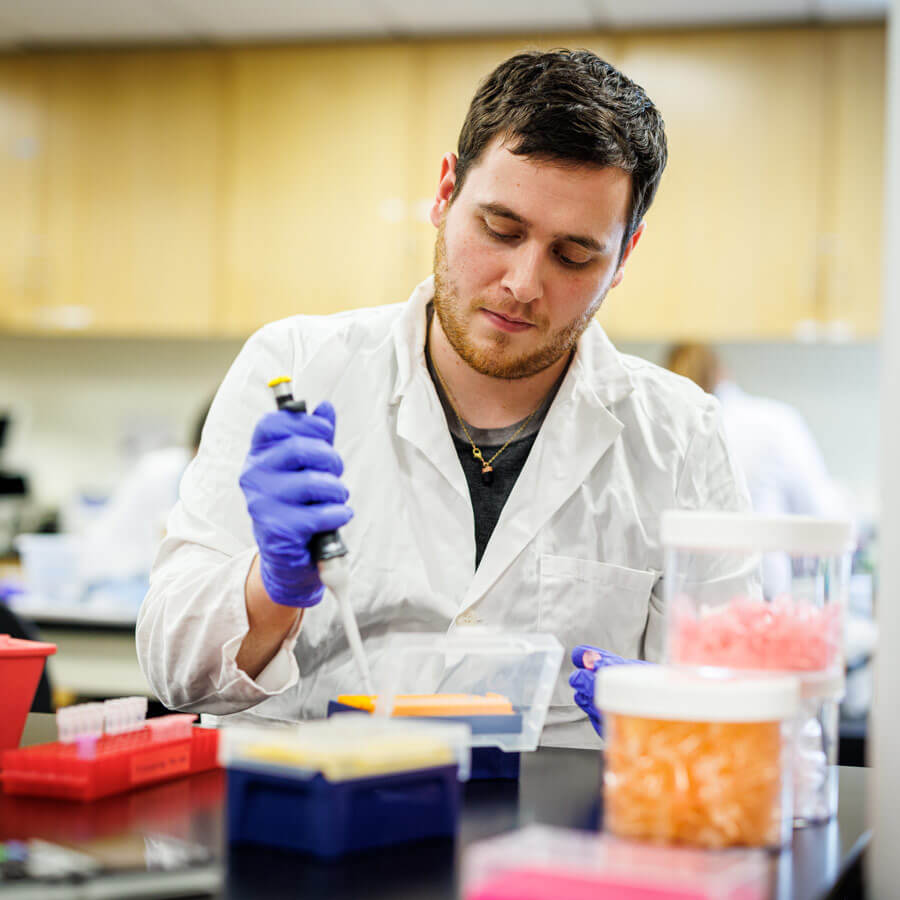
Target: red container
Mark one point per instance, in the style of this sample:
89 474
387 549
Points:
119 762
21 664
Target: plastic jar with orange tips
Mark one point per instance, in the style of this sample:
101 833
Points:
697 758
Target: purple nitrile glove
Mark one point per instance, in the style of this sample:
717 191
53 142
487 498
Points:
587 660
10 589
291 481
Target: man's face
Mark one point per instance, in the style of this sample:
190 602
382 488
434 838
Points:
524 256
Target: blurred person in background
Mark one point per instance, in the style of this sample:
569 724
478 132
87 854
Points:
784 467
122 541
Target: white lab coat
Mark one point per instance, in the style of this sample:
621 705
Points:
122 541
576 550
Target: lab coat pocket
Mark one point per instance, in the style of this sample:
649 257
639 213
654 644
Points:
583 601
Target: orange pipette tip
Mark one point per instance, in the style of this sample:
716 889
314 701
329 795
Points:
435 704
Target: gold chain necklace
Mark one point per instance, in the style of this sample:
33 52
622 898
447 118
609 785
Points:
487 467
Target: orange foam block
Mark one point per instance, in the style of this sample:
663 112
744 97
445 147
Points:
435 704
707 784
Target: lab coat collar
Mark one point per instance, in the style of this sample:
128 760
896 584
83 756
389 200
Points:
420 416
577 432
409 337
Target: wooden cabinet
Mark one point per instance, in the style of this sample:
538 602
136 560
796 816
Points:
730 248
132 160
316 191
21 137
196 193
849 273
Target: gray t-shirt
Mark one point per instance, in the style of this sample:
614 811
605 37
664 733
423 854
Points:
488 499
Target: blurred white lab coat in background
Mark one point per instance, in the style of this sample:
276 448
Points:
122 540
772 444
785 470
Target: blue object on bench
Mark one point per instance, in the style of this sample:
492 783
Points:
328 819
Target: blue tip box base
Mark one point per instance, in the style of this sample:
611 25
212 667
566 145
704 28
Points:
328 819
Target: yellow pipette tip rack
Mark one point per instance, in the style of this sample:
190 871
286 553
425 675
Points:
281 379
378 756
348 747
435 704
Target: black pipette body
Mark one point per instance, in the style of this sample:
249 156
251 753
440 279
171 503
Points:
325 544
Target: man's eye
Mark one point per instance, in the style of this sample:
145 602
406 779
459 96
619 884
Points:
571 262
499 235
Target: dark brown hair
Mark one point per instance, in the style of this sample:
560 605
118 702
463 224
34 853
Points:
568 107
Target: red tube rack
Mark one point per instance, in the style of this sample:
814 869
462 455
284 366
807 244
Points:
120 762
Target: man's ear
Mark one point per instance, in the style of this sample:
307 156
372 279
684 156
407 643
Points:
445 188
620 272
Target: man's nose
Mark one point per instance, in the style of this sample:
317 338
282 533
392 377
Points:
524 276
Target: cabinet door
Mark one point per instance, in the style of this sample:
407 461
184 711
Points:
21 134
853 201
316 189
131 172
730 246
448 73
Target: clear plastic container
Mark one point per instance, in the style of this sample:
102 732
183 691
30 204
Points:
516 673
51 565
815 750
752 592
541 863
700 758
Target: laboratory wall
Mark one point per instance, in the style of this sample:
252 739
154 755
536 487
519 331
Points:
84 407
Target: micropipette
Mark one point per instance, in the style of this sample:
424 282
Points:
329 552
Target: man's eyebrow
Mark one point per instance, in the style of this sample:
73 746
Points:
504 212
587 242
497 209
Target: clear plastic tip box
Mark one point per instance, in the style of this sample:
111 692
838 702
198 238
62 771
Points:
766 594
540 863
755 592
348 783
511 675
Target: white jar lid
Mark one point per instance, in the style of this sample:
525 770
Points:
698 695
698 530
829 685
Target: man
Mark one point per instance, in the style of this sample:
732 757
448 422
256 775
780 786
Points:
507 465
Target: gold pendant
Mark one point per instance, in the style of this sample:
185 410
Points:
487 474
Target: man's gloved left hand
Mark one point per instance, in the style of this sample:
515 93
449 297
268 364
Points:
587 660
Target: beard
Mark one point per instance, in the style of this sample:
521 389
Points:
497 359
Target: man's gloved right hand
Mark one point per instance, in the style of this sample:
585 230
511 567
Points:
291 481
